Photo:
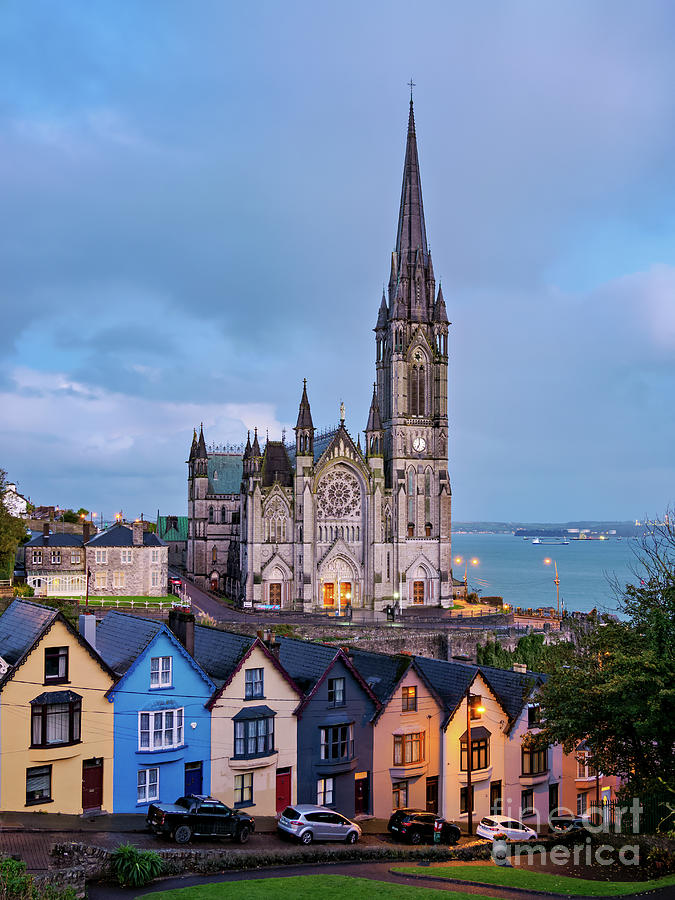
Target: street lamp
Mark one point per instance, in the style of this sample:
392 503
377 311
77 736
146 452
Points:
556 580
473 704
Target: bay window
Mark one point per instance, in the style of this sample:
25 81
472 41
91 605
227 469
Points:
160 730
56 719
408 748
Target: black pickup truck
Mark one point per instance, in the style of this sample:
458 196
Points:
200 816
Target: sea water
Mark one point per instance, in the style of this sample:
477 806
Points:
513 568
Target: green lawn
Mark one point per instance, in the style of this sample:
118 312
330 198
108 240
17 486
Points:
309 887
539 881
126 601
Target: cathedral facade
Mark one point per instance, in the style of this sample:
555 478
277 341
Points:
324 522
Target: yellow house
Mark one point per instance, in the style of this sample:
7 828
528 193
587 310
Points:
56 723
254 762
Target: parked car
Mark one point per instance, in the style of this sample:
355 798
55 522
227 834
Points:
308 823
514 830
418 826
199 816
569 824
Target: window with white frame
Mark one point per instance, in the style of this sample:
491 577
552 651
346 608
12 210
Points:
127 556
118 579
101 579
75 558
147 785
160 671
56 558
155 556
254 737
154 579
243 789
101 557
582 803
37 557
254 684
160 730
336 692
324 791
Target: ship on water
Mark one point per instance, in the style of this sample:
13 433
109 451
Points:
552 540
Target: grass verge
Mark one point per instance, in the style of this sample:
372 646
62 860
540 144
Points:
526 879
309 887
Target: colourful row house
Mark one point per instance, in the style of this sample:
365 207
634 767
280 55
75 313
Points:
56 723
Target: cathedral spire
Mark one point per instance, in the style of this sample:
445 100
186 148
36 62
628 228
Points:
201 444
304 413
374 420
411 234
193 448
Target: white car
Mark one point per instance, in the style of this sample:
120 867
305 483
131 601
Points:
514 830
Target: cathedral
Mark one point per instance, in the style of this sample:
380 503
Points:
328 523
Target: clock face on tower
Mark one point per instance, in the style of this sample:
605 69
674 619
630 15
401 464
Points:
419 445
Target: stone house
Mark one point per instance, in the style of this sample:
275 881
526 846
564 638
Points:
126 561
55 563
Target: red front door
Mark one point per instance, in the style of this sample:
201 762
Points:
92 783
283 789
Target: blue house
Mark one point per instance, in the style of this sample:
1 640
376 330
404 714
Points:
335 734
162 729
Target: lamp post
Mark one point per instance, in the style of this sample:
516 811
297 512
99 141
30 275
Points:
556 581
470 701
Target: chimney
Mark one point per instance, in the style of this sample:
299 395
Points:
183 626
138 534
45 534
521 668
87 625
86 531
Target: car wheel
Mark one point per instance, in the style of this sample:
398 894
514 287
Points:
415 837
243 834
351 838
182 834
306 838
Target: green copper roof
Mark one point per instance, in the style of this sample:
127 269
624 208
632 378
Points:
172 528
225 472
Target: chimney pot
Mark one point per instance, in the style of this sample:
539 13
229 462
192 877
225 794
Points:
183 626
86 530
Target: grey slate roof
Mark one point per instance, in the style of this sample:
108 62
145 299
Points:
121 637
225 472
511 687
56 540
304 661
276 465
218 652
380 671
20 626
123 536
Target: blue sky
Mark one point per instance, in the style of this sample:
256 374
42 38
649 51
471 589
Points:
200 200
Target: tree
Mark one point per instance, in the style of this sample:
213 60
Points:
12 531
618 693
83 512
70 517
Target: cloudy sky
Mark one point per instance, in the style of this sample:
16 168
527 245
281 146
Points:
199 201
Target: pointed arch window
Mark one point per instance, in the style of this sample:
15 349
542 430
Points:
417 385
210 515
411 503
223 515
214 555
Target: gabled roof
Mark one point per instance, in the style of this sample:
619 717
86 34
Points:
381 671
60 539
168 531
21 625
120 535
341 447
512 688
218 652
276 465
257 644
225 472
121 638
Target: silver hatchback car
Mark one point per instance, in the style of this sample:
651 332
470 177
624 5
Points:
316 823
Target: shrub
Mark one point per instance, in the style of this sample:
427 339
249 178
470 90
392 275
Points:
135 868
16 884
23 590
660 861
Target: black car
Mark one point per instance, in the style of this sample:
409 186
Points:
418 826
569 825
200 816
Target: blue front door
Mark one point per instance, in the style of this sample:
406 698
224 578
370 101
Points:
193 778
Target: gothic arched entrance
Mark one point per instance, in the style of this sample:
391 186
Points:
339 584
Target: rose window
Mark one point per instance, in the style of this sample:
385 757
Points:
338 495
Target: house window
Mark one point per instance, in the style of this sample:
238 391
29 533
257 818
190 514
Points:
118 579
408 748
527 803
463 797
584 767
160 730
37 557
101 579
38 785
336 692
55 723
409 699
337 742
254 737
147 785
399 794
533 715
102 556
254 684
154 579
535 762
243 789
480 754
160 671
75 558
155 556
127 556
56 557
582 803
324 791
56 665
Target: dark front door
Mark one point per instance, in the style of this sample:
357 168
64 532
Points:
361 795
283 789
432 794
92 783
553 798
496 798
193 778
